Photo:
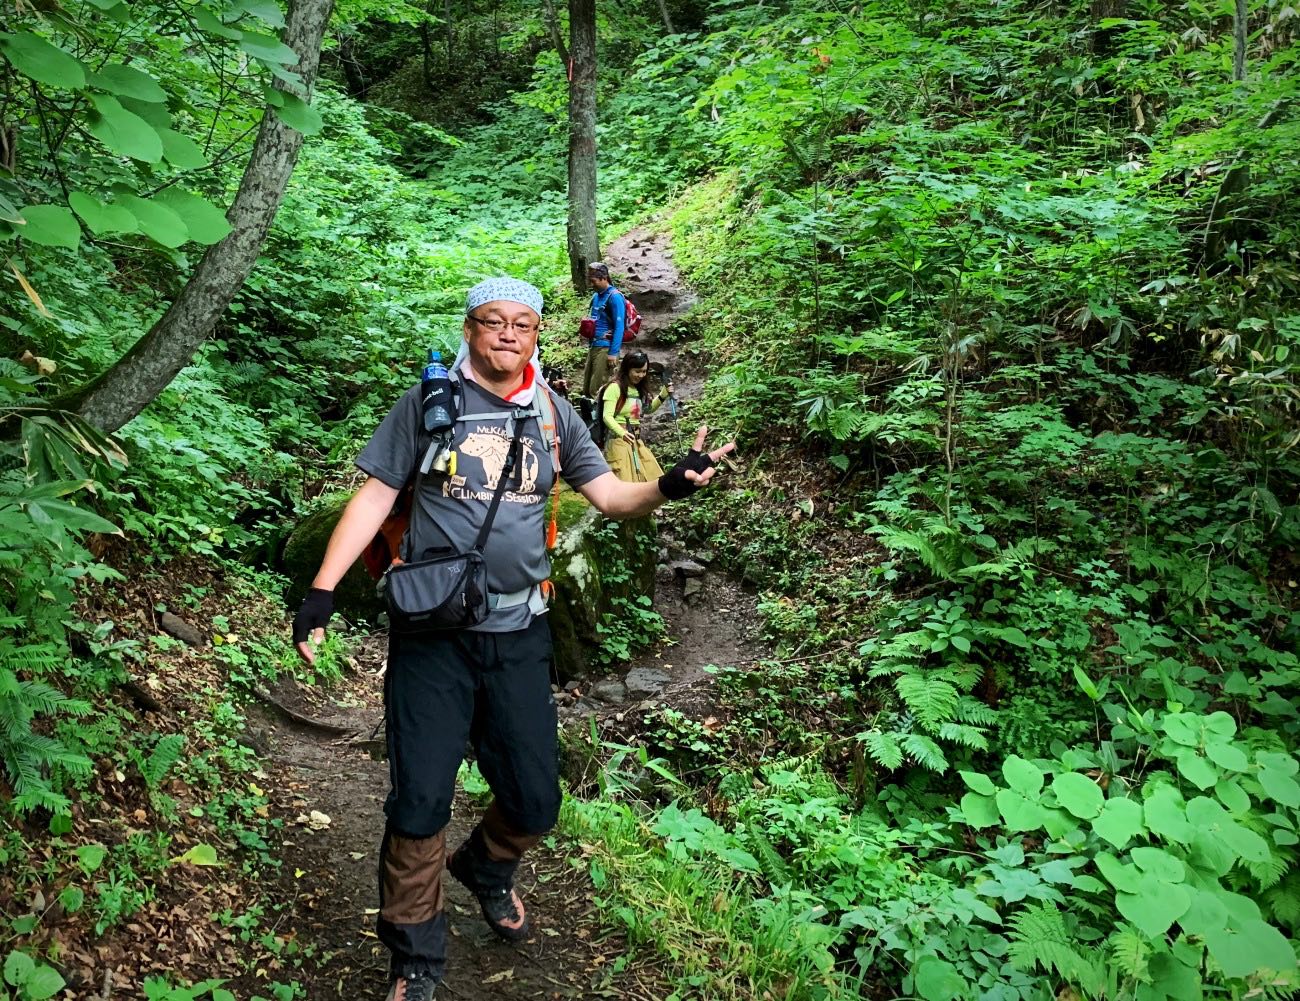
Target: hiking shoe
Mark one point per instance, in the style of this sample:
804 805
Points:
502 909
418 987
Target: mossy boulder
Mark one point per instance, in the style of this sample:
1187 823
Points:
595 563
355 597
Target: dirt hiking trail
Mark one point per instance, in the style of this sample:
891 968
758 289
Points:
329 787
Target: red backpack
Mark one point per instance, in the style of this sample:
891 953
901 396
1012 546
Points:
631 324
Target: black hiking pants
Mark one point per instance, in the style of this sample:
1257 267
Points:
442 690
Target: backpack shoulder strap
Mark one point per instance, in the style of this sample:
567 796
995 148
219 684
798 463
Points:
551 435
550 426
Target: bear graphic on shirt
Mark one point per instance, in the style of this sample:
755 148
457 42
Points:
490 447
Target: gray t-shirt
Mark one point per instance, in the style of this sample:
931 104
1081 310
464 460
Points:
451 509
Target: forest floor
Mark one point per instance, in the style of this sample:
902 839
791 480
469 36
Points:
329 870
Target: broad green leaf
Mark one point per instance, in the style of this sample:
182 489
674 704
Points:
51 226
90 857
1023 776
206 223
1245 842
72 898
1078 794
155 114
978 782
1155 906
201 854
1179 979
1282 789
44 983
1253 947
9 211
1122 877
1271 761
1159 863
267 10
1020 813
1184 728
1219 725
1120 822
1166 815
122 131
157 221
102 218
45 63
979 811
127 81
1205 911
1197 770
71 516
1228 756
18 968
209 22
267 48
181 151
938 980
298 114
221 994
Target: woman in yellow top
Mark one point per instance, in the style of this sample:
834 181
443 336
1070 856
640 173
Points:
622 407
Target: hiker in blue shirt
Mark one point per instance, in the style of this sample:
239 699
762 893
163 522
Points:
607 310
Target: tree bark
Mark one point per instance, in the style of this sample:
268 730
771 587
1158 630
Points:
426 57
1240 32
668 21
449 30
584 243
120 393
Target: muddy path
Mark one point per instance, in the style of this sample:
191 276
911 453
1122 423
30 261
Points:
329 787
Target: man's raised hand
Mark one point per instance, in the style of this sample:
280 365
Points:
694 471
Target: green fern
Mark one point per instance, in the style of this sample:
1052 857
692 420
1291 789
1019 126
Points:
1039 939
1269 872
28 757
926 549
966 736
884 748
925 752
162 759
775 868
1284 900
1130 953
930 699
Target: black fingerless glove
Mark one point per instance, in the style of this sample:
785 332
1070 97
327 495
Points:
315 613
674 485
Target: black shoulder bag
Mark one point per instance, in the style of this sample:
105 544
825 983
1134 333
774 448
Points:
446 592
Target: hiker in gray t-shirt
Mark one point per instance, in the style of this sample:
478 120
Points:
488 683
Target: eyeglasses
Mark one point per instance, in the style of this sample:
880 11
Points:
496 326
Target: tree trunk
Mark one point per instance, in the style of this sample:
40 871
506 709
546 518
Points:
584 243
449 31
1240 25
353 73
120 393
668 21
426 56
553 26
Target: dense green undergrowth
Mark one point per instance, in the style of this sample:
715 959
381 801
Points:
1000 302
1017 395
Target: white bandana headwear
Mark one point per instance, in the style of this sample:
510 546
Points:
504 290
